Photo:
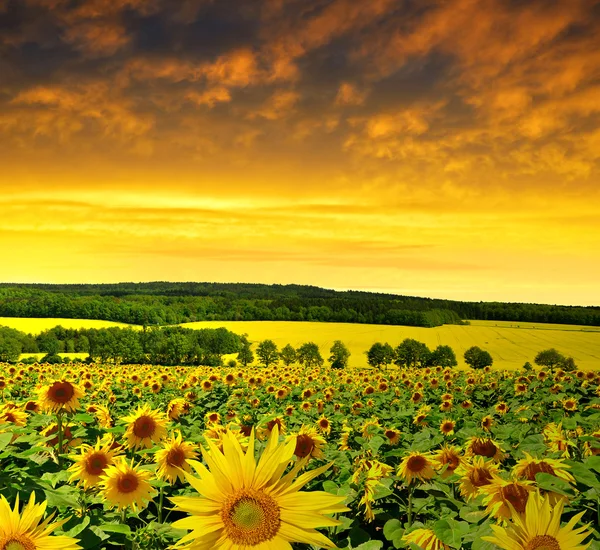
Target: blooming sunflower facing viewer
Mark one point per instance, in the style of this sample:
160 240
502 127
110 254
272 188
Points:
25 532
540 529
244 503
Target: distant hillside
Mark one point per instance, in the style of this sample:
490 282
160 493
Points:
161 303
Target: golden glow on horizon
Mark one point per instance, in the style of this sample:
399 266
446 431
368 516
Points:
385 145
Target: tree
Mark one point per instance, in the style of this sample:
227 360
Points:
339 355
568 364
376 355
412 353
267 352
549 358
10 348
443 356
477 358
309 355
288 355
245 355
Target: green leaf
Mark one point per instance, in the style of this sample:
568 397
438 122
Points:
5 439
450 531
375 443
116 528
548 482
65 496
583 474
370 545
330 487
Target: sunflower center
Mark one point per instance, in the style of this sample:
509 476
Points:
17 542
304 445
61 392
144 427
416 463
543 542
480 477
517 496
533 469
176 457
484 448
250 517
127 483
96 463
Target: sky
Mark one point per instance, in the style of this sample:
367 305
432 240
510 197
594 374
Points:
441 148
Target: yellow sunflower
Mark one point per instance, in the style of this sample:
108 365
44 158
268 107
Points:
450 458
528 467
27 531
146 428
539 528
424 539
172 459
124 485
91 463
501 495
485 447
309 444
447 427
60 396
324 424
416 466
474 476
243 503
14 416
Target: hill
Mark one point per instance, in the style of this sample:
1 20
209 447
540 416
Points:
165 303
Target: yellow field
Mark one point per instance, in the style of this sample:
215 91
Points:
510 346
35 325
510 343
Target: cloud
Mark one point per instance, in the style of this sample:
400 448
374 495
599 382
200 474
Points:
210 96
349 94
279 105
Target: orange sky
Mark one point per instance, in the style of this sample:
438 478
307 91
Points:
436 148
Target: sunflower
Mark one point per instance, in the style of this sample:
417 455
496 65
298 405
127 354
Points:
446 406
344 443
60 396
91 463
125 485
474 476
393 435
450 458
447 427
370 428
172 459
502 408
528 467
569 404
244 504
14 416
488 448
425 539
416 466
309 444
502 495
324 424
25 532
539 529
486 423
176 408
146 427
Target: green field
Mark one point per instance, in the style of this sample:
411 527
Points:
510 343
510 346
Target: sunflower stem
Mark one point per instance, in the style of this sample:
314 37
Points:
160 504
124 516
410 511
59 429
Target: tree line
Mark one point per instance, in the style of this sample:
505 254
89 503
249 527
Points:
155 345
165 303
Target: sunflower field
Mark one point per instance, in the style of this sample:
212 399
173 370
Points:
146 457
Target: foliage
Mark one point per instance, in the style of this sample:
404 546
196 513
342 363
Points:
308 354
477 358
339 355
267 352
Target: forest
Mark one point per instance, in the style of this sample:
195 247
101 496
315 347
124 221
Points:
165 303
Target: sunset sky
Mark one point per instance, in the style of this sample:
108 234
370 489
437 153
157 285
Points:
442 148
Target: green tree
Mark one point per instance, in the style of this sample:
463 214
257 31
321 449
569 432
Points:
549 358
10 348
309 355
412 353
245 355
376 355
267 352
443 356
477 358
339 355
288 355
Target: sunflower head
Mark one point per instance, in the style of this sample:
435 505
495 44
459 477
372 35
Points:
416 466
60 396
146 427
